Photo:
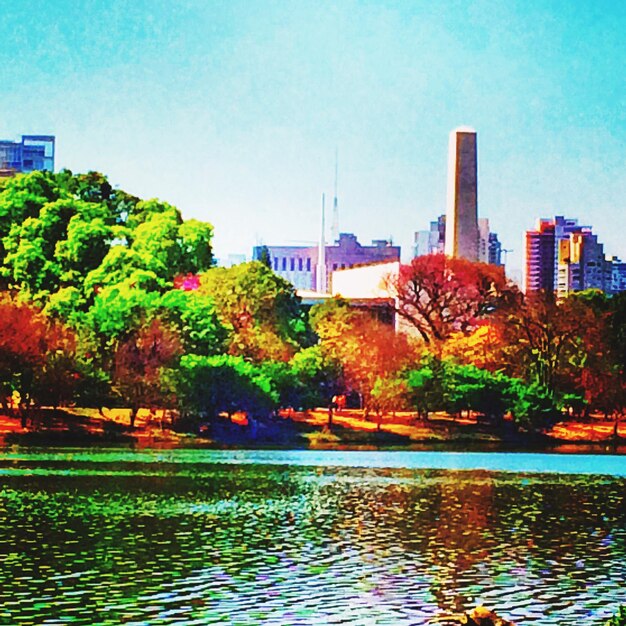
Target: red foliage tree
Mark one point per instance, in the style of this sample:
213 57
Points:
29 345
140 362
439 295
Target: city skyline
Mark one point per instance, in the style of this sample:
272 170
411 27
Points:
234 113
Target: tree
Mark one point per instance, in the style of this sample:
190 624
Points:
265 257
117 312
35 358
308 380
439 295
208 386
549 343
196 319
62 230
487 393
140 362
259 308
318 376
533 406
427 385
366 348
389 395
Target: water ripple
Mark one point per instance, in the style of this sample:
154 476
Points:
182 543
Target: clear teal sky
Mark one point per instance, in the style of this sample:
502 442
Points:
232 110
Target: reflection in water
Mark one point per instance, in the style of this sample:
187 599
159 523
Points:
106 540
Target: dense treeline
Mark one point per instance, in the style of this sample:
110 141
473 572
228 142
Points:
110 300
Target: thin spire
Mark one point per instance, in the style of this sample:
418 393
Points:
335 226
321 257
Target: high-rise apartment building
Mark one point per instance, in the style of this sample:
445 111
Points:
539 266
563 257
462 203
33 152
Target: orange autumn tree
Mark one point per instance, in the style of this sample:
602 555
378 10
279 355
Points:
367 349
482 347
36 358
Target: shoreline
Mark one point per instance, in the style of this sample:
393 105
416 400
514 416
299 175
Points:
89 427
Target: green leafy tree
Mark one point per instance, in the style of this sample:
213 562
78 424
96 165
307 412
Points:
63 230
265 257
195 317
259 308
318 377
209 386
487 393
427 385
116 313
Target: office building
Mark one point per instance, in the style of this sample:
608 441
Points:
541 247
462 203
33 152
300 265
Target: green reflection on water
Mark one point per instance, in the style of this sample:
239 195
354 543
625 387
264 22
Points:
109 540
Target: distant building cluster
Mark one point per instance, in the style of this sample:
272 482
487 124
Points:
433 241
300 264
33 152
563 256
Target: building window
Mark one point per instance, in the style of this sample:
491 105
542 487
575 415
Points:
284 263
334 266
308 264
300 264
343 266
276 263
293 264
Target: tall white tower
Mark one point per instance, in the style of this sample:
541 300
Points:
462 204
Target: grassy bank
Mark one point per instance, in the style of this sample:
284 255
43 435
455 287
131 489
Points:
350 429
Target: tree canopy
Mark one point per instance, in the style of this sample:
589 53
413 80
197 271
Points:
60 231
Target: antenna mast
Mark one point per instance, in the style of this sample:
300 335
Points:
321 257
335 226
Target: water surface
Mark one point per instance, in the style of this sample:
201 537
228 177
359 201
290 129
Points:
304 537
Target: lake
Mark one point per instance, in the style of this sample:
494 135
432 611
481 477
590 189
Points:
308 537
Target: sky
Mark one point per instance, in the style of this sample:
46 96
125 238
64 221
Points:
233 110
